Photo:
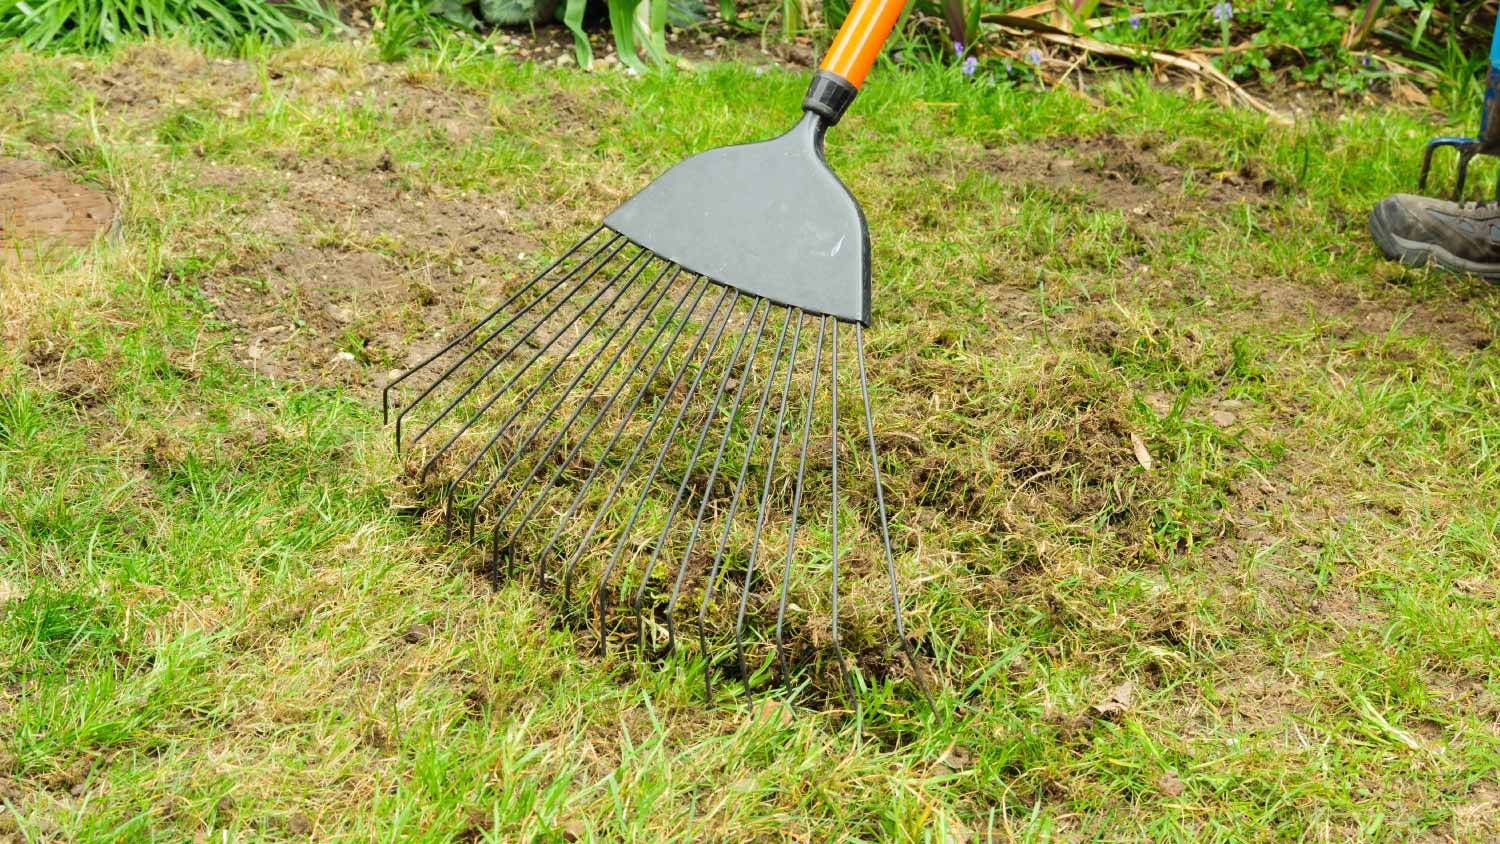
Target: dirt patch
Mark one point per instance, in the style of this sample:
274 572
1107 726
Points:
362 272
1113 173
147 79
709 41
1458 321
42 208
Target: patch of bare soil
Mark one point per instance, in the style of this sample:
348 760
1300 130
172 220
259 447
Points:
1455 320
364 272
1113 173
148 79
711 40
42 208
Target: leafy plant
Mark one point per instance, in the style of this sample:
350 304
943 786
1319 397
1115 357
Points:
402 26
82 25
637 26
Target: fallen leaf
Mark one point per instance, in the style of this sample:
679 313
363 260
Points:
1142 456
775 712
1117 701
958 833
956 758
299 825
1170 785
1411 93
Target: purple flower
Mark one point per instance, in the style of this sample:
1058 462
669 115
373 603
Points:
958 48
1034 58
1223 12
1365 60
969 65
1134 21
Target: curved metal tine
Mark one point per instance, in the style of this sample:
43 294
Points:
546 416
1432 146
1462 175
660 457
602 590
687 472
1427 151
525 402
583 438
650 426
536 355
609 446
385 393
760 518
734 500
791 533
713 476
570 324
619 243
885 532
838 648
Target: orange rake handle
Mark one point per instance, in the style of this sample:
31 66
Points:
860 38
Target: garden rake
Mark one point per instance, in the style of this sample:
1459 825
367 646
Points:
653 422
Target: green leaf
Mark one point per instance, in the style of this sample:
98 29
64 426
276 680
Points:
685 13
622 25
657 32
573 20
455 12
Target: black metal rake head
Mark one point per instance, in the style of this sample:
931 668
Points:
670 425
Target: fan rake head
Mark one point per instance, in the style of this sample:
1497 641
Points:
685 464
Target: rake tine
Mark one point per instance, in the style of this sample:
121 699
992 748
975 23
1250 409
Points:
656 467
713 476
620 429
602 591
791 534
885 534
760 519
641 444
692 461
521 448
401 417
687 472
385 393
537 388
838 649
546 377
1427 152
588 432
1460 177
536 356
739 485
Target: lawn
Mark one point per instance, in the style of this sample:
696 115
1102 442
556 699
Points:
1193 496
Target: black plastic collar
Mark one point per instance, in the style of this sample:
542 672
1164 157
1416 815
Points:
828 96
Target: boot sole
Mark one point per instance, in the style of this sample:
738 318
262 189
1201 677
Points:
1416 253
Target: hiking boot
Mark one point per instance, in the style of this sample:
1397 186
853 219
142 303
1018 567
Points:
1460 236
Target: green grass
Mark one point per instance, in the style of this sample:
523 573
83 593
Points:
216 616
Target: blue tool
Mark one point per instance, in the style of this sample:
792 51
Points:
1488 141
